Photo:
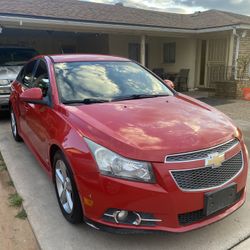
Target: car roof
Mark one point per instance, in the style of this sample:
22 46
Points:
85 58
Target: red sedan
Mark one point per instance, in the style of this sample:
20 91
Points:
125 151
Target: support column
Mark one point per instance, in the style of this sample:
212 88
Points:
143 50
236 56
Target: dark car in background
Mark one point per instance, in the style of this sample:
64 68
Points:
11 61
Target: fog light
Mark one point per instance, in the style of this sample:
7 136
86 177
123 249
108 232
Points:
117 216
120 216
138 219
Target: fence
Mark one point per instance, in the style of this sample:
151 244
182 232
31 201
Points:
221 73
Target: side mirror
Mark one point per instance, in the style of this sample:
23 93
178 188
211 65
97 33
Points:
33 95
169 83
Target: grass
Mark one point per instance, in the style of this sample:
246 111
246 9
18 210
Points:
10 183
21 215
15 200
2 164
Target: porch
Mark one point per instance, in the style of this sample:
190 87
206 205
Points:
203 55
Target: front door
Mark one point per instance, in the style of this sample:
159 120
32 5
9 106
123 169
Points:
216 61
39 118
25 82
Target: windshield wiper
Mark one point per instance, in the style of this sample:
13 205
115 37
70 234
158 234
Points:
138 96
86 101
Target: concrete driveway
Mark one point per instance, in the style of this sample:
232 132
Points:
53 232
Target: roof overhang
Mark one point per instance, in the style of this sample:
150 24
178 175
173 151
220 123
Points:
18 21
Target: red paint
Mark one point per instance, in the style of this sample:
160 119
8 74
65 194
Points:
34 94
145 129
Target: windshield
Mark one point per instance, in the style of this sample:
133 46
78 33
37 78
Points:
15 56
106 81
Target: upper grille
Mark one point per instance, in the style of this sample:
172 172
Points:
208 177
202 154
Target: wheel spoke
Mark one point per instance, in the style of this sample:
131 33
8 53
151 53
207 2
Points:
59 176
63 169
69 200
60 190
63 197
68 186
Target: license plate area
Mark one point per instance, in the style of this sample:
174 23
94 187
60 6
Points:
220 199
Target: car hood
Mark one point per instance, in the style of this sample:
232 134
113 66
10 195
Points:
9 72
150 129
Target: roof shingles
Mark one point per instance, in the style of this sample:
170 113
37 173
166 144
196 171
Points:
116 14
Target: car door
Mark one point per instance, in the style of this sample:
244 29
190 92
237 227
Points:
25 79
39 117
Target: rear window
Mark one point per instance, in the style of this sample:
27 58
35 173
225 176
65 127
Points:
15 56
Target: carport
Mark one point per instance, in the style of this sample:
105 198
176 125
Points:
53 41
56 36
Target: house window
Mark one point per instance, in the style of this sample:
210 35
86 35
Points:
134 51
169 50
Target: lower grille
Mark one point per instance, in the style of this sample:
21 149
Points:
195 216
208 177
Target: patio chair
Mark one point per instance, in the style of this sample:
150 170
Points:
181 80
160 72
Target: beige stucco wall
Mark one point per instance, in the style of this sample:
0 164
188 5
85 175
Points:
185 52
185 57
118 44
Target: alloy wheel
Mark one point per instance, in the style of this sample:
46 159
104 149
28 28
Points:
64 187
13 123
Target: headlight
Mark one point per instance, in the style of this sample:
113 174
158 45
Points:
114 165
4 82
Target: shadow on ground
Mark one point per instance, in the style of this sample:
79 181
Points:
4 115
216 101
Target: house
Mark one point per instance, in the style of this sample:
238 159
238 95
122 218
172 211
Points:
208 43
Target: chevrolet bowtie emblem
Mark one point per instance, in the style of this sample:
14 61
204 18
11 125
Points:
215 160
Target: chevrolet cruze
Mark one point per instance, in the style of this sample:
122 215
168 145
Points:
125 151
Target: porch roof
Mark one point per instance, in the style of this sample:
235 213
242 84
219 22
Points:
74 10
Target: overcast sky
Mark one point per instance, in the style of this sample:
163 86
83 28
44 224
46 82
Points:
185 6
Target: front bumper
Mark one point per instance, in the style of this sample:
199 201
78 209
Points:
111 228
164 200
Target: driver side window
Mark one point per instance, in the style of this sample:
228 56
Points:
28 74
41 78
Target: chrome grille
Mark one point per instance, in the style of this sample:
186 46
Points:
202 154
208 177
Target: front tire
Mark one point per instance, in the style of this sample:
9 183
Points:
66 191
14 128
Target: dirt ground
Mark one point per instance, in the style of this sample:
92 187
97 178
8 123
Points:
15 233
